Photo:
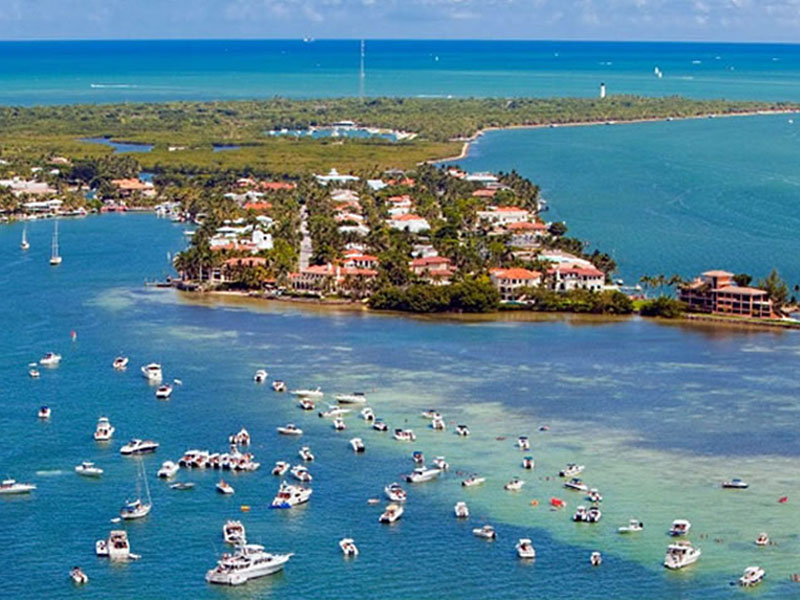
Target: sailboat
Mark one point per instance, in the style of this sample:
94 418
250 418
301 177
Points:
55 259
137 508
24 244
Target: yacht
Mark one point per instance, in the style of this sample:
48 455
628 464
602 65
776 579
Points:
168 469
339 424
135 509
233 532
51 359
301 473
290 429
441 463
633 526
594 495
404 435
472 481
88 469
120 363
527 462
116 547
486 532
223 487
137 446
249 561
260 376
367 414
78 576
680 527
25 244
163 392
306 404
315 393
391 514
515 485
462 430
104 430
752 576
333 412
525 549
279 386
354 398
571 470
10 486
422 474
240 439
437 424
523 443
576 485
348 547
280 468
291 495
461 510
580 514
395 492
55 257
762 539
306 454
681 554
357 445
596 559
380 425
430 414
152 372
593 515
44 412
735 484
182 486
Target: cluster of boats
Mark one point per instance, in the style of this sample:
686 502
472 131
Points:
233 460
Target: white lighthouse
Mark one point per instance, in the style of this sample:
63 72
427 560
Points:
602 90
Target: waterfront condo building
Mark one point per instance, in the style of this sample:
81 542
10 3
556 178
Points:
717 292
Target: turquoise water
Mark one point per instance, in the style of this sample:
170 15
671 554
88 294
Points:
658 414
117 71
668 197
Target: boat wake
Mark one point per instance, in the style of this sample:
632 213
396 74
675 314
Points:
112 85
50 473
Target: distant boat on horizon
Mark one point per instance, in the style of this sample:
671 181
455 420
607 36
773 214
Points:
24 243
55 258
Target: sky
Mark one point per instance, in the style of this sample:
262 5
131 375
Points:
690 20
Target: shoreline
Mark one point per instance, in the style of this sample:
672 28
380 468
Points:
474 137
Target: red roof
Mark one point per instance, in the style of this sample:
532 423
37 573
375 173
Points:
508 209
274 186
526 226
257 206
718 274
248 261
484 193
515 273
575 270
398 199
744 291
430 260
408 218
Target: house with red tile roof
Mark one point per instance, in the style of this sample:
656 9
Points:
329 278
717 292
504 215
525 234
564 278
411 222
437 270
510 282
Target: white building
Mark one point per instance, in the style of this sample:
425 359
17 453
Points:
412 223
334 177
574 277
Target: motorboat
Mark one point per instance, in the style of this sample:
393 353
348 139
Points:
25 244
199 459
680 527
472 481
78 576
557 503
527 462
462 430
357 444
233 532
594 495
301 473
576 485
681 554
580 514
762 539
291 495
544 428
280 467
306 454
120 363
404 435
441 463
137 446
571 470
523 443
249 561
431 414
391 513
596 559
168 469
51 359
44 412
348 547
461 510
633 526
486 532
752 576
135 509
163 392
260 376
88 469
316 393
182 486
306 404
242 438
438 424
525 549
9 487
395 492
33 373
380 425
104 430
223 487
116 547
152 372
354 398
593 515
735 484
423 474
333 412
279 386
290 429
418 457
339 424
515 485
367 414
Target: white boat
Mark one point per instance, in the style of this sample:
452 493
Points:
418 457
33 373
594 495
78 576
395 492
367 414
104 430
404 435
138 508
523 443
279 386
391 513
527 462
120 363
752 576
357 444
430 414
306 454
461 510
472 481
88 469
348 547
316 393
290 429
576 485
422 474
55 257
593 515
249 561
441 463
571 470
437 424
233 532
681 554
152 372
306 404
525 549
735 484
240 439
354 398
333 412
580 514
280 468
51 359
24 244
291 495
10 486
486 532
44 412
182 485
462 430
680 527
260 376
168 469
762 539
515 485
633 526
223 487
116 547
339 424
301 473
137 446
163 392
380 425
596 559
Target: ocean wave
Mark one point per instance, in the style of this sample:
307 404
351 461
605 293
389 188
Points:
112 85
